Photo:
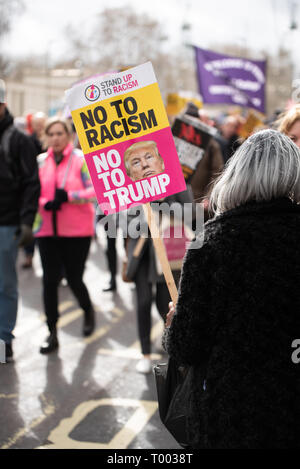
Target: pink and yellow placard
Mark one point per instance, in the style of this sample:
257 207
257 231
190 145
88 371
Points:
112 113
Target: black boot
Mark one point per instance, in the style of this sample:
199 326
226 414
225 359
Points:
51 343
88 322
112 285
8 353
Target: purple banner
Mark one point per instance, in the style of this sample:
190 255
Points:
231 80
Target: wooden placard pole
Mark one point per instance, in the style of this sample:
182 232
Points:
161 252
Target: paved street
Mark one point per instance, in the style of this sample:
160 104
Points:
87 395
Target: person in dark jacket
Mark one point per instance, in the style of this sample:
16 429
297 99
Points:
39 120
206 172
229 138
237 314
19 194
210 166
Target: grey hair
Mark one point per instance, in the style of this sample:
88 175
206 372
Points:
265 167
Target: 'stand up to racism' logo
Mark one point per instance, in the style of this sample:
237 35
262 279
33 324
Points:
92 93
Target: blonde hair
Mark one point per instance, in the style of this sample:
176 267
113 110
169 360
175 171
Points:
58 120
136 146
287 119
266 166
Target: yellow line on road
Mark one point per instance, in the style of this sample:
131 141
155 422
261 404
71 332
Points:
8 396
69 317
156 332
65 305
63 320
49 409
23 431
127 353
119 314
134 350
143 412
22 329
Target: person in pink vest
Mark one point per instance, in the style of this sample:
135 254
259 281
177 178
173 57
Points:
64 225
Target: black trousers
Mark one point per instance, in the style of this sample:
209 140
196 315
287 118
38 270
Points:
111 255
69 255
144 296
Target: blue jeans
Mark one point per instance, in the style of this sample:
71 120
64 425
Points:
8 282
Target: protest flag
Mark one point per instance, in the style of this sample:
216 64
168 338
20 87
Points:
226 79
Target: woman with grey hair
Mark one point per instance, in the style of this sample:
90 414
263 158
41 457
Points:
237 315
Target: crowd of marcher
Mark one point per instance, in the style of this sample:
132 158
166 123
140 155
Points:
237 311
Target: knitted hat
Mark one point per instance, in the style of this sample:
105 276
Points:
2 91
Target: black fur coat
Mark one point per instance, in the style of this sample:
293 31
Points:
237 315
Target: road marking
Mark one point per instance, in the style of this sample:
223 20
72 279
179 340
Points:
144 409
49 410
118 311
8 396
119 314
156 332
143 413
62 322
127 353
134 350
65 305
48 405
26 327
97 334
67 318
75 314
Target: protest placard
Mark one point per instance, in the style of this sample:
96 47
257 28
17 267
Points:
191 139
124 132
253 121
111 114
176 102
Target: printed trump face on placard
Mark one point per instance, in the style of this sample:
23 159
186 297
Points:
135 173
143 160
